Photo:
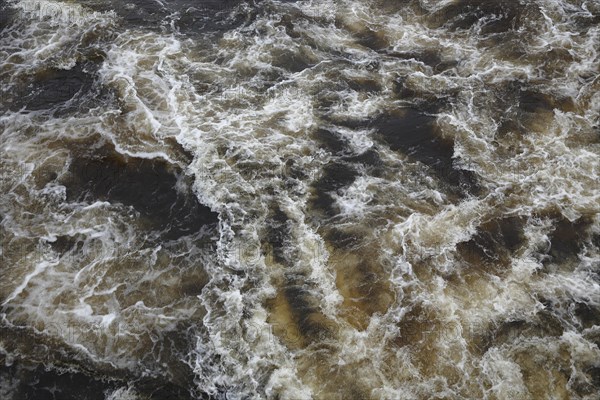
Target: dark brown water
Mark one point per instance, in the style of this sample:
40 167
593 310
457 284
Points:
299 199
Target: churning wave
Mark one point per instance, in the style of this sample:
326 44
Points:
317 199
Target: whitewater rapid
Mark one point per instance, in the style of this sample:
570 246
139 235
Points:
331 199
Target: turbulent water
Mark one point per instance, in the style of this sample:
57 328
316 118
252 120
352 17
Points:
325 199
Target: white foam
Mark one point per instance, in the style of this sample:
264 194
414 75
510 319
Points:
244 116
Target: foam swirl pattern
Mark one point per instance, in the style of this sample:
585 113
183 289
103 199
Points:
332 199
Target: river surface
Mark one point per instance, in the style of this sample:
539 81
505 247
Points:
332 199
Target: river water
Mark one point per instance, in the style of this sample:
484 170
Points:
333 199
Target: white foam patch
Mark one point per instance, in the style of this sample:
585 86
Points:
122 394
245 116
